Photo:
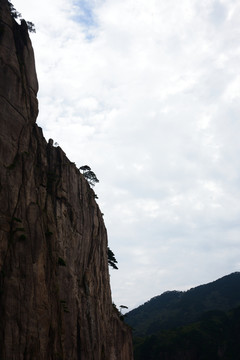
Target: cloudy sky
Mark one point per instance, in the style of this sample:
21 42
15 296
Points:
147 93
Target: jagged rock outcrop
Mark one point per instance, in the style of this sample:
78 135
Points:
55 297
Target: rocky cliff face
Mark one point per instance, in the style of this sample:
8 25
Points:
55 297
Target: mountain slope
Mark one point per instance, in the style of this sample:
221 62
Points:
215 336
176 308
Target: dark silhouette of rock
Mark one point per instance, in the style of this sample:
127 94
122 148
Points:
55 296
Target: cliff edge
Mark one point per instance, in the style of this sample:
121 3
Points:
55 296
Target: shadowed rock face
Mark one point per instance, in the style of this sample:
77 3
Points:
55 297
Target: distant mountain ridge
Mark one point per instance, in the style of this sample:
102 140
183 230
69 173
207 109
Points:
177 308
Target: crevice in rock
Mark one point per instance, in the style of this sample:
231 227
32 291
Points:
12 106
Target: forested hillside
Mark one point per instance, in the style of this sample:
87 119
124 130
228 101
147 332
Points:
215 336
202 323
177 308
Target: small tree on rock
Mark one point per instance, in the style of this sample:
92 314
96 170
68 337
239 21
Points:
31 27
89 175
111 259
16 15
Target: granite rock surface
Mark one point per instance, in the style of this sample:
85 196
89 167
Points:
55 296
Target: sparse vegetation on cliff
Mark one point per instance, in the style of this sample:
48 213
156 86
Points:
111 259
31 27
17 15
61 262
89 175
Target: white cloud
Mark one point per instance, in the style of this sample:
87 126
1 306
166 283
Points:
147 94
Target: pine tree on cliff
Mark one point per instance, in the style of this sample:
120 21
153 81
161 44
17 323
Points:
17 15
89 175
111 259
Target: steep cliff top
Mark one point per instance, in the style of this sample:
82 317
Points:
18 65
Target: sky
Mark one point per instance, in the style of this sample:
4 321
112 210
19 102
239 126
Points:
147 94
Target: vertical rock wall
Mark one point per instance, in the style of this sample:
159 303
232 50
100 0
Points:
55 297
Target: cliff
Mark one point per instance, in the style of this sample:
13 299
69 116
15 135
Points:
55 296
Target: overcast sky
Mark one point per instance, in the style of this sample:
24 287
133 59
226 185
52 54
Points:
147 94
